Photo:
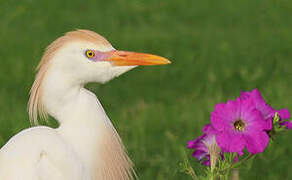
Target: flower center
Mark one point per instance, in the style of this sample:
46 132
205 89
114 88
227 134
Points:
239 125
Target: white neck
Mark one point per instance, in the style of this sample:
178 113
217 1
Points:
85 126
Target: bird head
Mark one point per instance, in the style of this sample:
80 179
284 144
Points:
85 56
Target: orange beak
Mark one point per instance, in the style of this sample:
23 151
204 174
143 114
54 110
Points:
126 58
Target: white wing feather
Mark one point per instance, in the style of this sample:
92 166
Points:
40 154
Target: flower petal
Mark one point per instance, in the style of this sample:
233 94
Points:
207 161
269 124
284 114
230 142
247 108
192 144
288 124
259 101
209 129
199 154
224 114
255 122
256 142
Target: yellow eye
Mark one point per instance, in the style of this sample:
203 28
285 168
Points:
89 53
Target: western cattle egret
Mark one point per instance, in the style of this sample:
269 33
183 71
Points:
85 146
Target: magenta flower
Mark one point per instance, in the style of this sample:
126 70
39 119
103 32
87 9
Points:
284 115
287 124
267 111
240 125
202 144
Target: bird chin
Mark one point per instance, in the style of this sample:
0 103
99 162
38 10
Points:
118 70
114 72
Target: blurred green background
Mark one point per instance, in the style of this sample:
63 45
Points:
217 49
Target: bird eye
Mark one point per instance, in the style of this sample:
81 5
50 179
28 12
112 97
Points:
89 53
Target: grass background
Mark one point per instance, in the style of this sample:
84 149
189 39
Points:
218 48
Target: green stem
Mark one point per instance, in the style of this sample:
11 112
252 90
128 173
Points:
225 171
192 173
187 167
242 161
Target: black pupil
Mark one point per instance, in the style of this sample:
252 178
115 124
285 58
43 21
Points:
90 53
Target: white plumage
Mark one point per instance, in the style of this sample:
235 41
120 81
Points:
85 146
